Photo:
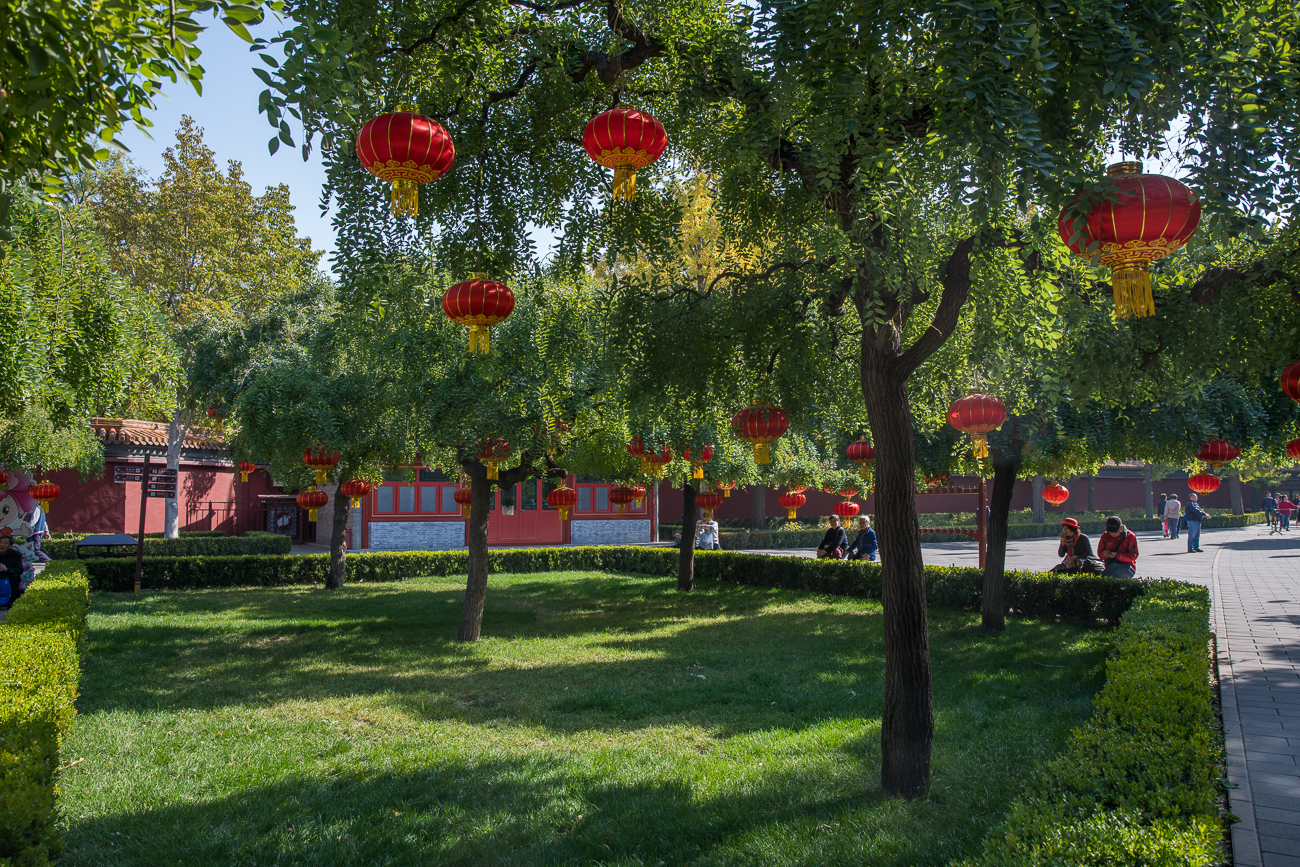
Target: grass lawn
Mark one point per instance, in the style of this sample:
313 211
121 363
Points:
603 720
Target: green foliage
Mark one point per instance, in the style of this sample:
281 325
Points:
1139 783
40 655
187 545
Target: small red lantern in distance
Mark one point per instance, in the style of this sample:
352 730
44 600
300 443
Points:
320 460
708 500
244 469
1291 381
44 493
760 425
862 453
478 303
698 459
462 496
1203 483
621 495
1216 453
636 448
312 501
640 492
354 490
791 500
977 414
658 461
846 509
624 139
1153 216
1056 494
405 149
563 499
727 488
213 412
1293 450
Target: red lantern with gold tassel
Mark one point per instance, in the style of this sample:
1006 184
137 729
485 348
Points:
312 500
791 501
406 149
462 496
862 453
636 448
698 458
621 495
1203 483
624 139
492 455
727 488
640 491
245 468
562 499
320 460
977 414
478 303
1153 216
759 426
1056 494
708 500
846 509
1217 452
354 490
44 493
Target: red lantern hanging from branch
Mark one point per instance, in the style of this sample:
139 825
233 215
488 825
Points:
759 426
1153 216
799 489
640 492
659 461
562 499
245 467
213 412
848 493
312 500
1056 494
727 488
708 500
463 496
354 490
698 458
621 495
791 501
44 493
492 455
636 448
320 460
1293 450
1203 483
624 139
847 509
478 303
862 453
1217 452
1291 381
977 414
406 149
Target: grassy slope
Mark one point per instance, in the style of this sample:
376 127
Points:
605 720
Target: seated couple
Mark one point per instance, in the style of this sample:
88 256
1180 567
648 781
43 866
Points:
835 543
1117 550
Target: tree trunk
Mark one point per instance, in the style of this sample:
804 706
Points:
686 554
1092 493
907 724
1076 495
1039 505
758 516
338 542
1234 493
177 429
654 518
471 618
1146 489
1006 463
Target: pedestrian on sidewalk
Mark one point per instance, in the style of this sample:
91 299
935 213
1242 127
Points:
1160 513
1195 516
1270 512
1173 511
1118 549
1284 509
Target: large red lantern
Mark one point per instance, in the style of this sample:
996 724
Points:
246 467
1291 381
320 460
862 453
478 303
846 509
977 414
621 495
406 149
727 488
760 425
463 496
312 500
562 498
44 493
1217 452
708 500
1203 483
624 139
698 458
354 490
1153 216
492 455
1293 450
1056 494
791 500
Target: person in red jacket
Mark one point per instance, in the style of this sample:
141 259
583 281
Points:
1118 549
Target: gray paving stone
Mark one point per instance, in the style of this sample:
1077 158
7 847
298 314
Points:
1273 814
1278 829
1275 859
1287 845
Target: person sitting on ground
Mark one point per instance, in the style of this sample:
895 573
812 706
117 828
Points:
864 547
1118 549
1076 549
12 568
1269 505
706 535
835 542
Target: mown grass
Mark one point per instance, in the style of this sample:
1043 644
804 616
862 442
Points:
603 720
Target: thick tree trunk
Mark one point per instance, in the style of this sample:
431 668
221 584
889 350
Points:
758 515
1147 490
1006 463
338 543
1234 494
1092 493
907 725
1077 497
471 618
686 555
1039 505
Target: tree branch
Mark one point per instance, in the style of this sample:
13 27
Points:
956 289
1216 279
408 50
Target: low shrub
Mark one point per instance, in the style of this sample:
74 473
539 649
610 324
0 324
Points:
187 546
40 660
1139 783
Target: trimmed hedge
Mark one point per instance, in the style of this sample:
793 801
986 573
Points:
40 661
188 546
1139 783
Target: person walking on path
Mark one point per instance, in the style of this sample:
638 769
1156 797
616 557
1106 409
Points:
1270 512
1195 515
1284 509
1173 510
1160 513
1118 549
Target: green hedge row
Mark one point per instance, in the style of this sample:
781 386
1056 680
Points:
1139 783
188 546
1078 597
40 657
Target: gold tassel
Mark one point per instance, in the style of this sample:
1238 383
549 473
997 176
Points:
492 470
790 514
355 502
708 514
406 198
697 471
625 183
726 492
320 476
637 504
311 515
981 446
464 512
621 507
564 513
1133 297
478 339
761 455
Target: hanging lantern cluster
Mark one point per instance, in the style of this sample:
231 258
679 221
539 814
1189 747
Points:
406 149
708 500
355 490
312 500
621 496
1291 381
321 461
698 459
562 498
727 488
659 461
792 500
1217 452
492 455
1153 217
624 139
977 414
862 453
760 426
463 496
1203 483
1056 494
246 467
478 303
44 493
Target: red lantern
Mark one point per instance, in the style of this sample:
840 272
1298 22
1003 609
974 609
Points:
848 493
1216 452
1291 381
862 453
846 509
708 501
562 498
478 303
213 412
320 460
1203 483
4 480
1056 494
312 500
636 448
624 139
44 493
1153 216
406 149
621 495
977 414
355 489
791 500
640 492
760 425
659 461
462 496
698 460
798 489
726 488
492 455
244 469
1293 450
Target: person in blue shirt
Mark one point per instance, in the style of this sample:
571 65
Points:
1270 512
864 547
1195 515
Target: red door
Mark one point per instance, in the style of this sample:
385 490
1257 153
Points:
532 522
